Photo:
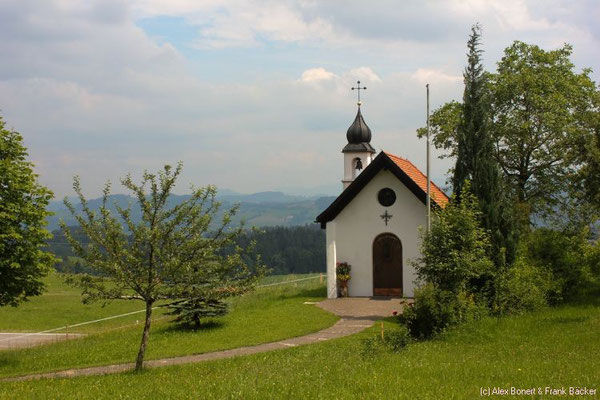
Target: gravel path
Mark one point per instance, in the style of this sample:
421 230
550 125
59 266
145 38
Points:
356 315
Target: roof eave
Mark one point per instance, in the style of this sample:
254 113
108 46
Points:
382 161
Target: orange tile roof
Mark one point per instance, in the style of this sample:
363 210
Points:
420 179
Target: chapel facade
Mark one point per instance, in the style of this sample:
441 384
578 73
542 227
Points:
374 224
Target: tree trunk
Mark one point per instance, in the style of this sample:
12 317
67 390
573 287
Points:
140 357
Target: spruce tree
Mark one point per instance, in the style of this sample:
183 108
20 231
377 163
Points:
475 160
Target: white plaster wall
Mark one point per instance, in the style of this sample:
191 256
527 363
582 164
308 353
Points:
353 231
331 256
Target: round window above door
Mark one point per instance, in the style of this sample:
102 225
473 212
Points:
386 197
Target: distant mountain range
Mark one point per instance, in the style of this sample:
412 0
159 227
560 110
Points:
257 209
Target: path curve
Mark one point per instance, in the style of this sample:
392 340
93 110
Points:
356 314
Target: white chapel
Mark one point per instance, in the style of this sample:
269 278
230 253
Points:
373 225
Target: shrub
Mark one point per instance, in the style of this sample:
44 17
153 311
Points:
397 339
435 309
455 250
592 259
394 340
523 287
371 347
568 256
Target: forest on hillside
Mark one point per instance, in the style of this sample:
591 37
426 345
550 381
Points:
284 250
290 250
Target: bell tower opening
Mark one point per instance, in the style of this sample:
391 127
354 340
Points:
358 166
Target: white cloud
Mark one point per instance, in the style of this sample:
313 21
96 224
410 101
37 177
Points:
426 75
241 23
317 74
366 74
93 94
320 76
511 15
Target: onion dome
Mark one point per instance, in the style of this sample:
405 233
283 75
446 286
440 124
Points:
358 132
358 135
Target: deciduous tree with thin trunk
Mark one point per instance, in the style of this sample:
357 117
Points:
585 182
541 108
538 105
173 253
23 234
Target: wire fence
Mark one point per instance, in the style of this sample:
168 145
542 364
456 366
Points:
294 280
66 327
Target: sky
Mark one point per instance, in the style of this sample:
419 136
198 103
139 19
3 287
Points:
250 95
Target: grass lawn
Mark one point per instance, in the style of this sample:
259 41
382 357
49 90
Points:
61 305
554 347
268 314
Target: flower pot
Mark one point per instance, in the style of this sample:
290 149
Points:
344 288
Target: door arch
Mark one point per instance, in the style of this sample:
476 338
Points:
387 265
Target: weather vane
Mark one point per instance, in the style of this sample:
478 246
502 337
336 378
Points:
358 88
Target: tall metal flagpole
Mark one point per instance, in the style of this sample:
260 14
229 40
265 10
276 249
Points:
428 178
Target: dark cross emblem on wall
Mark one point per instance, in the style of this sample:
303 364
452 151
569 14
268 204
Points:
358 88
386 217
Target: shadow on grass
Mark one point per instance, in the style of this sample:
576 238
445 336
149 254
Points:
9 362
134 373
565 320
205 326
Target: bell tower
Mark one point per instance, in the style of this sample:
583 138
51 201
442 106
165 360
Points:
358 153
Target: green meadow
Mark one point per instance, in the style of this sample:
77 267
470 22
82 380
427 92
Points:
268 314
556 348
61 305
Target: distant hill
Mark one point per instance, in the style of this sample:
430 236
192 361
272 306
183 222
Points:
262 197
285 250
257 209
290 243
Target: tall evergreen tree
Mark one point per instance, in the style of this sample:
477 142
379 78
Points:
475 161
474 143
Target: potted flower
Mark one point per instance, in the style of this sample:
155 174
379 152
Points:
342 272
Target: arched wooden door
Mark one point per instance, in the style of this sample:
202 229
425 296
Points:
387 265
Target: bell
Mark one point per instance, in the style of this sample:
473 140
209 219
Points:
359 164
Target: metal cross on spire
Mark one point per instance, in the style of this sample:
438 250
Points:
358 88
